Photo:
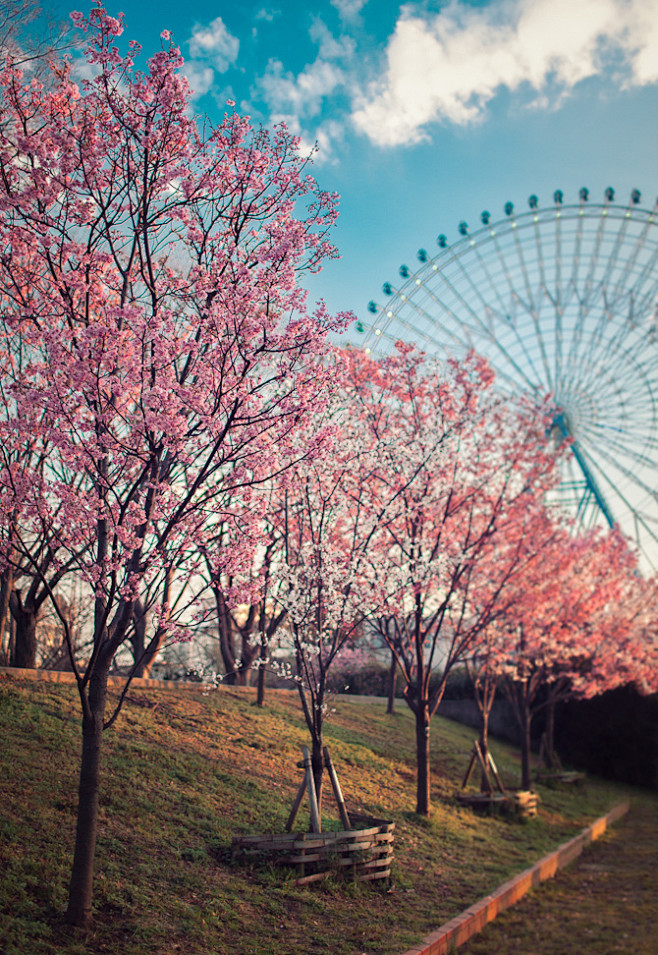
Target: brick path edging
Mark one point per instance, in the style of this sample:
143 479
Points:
458 930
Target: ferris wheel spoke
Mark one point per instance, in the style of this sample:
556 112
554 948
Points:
530 308
589 286
522 340
597 337
614 261
462 302
544 295
487 291
632 508
575 259
590 278
646 300
478 324
614 465
502 370
645 304
632 473
624 279
381 332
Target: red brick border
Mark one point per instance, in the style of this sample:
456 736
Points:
473 920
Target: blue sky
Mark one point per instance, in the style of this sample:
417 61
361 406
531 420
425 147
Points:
427 113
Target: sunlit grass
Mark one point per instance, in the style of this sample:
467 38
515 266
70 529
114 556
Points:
184 772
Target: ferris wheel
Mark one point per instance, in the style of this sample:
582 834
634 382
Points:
562 300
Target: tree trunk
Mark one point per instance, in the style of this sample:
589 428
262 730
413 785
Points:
550 735
526 774
143 655
11 643
226 641
317 762
6 587
422 758
314 721
484 748
82 874
392 680
25 640
250 651
485 694
260 699
243 674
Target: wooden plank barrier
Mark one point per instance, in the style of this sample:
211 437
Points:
523 803
363 849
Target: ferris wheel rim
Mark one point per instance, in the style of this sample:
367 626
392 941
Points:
563 212
487 288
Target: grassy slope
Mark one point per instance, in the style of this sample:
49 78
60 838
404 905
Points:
184 772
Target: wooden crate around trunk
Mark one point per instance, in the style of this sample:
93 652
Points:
523 803
363 853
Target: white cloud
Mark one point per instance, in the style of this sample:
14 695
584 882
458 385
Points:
212 49
449 66
307 147
214 44
301 95
330 48
321 143
349 10
83 70
302 100
200 77
327 137
267 15
643 38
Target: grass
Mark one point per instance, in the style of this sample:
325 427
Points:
186 771
605 903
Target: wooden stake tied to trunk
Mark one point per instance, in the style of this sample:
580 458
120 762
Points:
308 785
485 766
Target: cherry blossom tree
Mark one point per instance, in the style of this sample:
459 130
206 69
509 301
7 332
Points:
326 526
631 657
26 579
461 470
148 269
245 618
568 631
29 37
543 531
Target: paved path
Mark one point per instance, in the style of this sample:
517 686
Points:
605 902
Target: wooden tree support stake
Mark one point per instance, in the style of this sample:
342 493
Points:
494 770
295 807
308 785
340 802
476 756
